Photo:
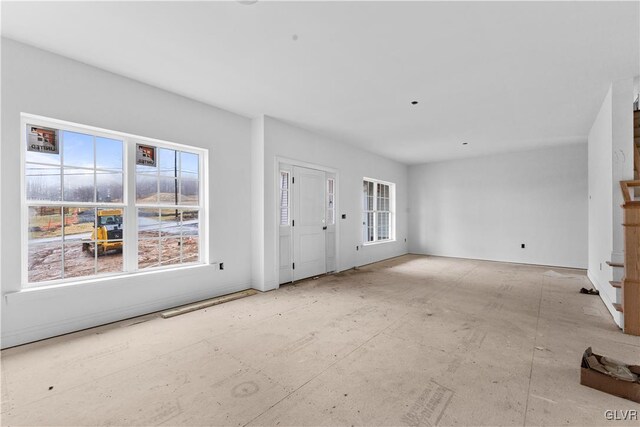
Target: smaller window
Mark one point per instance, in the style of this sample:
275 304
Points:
378 222
331 206
284 198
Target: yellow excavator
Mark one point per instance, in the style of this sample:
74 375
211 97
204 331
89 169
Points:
107 234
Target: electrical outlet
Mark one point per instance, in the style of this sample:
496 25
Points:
221 266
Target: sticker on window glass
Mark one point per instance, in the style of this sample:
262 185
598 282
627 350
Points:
42 140
145 155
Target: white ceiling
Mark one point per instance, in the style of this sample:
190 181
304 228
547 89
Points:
501 76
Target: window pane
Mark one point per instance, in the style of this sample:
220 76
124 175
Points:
48 158
189 192
364 195
45 261
330 210
170 250
78 150
284 198
78 223
189 163
367 226
383 225
148 253
367 196
78 185
149 170
45 244
170 222
190 224
79 259
148 223
146 189
43 182
45 224
190 249
109 187
109 154
110 226
111 259
168 161
168 190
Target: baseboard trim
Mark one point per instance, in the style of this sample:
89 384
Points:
497 260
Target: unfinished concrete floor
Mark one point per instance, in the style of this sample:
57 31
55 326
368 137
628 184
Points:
413 340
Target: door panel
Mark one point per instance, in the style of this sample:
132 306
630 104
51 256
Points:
309 216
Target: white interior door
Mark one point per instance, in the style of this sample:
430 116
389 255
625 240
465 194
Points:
309 224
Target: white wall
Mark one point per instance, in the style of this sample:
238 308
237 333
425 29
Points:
352 164
600 198
486 207
610 145
37 82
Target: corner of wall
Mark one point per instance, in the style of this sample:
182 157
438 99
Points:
257 203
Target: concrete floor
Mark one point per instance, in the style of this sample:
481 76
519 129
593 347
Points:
410 341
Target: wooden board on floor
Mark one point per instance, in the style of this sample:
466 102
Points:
207 303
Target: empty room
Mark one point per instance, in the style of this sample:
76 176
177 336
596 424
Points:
262 213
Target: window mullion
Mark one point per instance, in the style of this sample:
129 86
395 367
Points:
375 212
130 252
61 148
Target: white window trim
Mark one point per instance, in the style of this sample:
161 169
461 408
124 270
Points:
392 212
130 235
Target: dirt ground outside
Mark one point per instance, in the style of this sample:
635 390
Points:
46 260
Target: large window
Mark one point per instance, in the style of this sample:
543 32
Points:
378 200
80 220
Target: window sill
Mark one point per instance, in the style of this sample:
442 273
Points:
37 292
379 242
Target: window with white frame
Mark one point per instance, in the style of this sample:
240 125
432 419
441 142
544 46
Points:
284 198
378 200
331 205
80 220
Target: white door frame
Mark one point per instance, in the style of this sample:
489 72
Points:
278 161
